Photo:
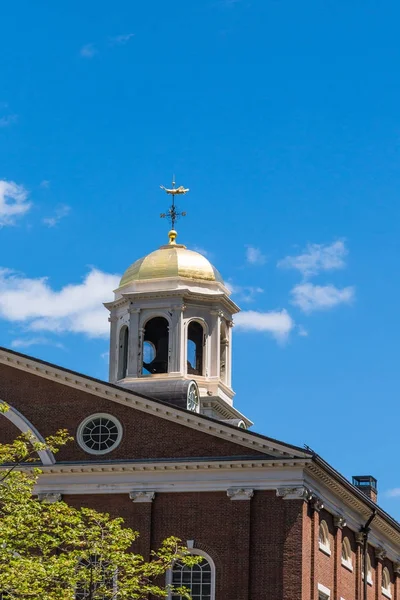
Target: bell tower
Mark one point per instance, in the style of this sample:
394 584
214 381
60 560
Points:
171 329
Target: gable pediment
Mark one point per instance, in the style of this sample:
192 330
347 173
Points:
51 397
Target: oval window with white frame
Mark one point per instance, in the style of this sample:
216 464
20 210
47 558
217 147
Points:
99 433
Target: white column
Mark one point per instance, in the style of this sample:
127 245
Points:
229 355
133 343
176 341
113 358
215 336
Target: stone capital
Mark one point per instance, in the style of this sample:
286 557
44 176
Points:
339 521
240 493
50 497
316 503
141 496
359 538
179 307
380 553
134 311
299 492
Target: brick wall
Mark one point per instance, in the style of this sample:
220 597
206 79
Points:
255 544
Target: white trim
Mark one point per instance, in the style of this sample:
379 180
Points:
208 558
347 564
386 593
369 578
22 423
324 590
82 426
325 549
161 477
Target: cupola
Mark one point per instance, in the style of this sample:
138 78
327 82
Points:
171 330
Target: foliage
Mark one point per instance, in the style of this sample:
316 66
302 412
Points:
52 551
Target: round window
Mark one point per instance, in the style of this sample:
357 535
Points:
99 434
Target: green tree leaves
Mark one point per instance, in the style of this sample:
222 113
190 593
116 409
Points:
52 551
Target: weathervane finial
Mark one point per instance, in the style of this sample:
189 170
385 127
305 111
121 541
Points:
172 214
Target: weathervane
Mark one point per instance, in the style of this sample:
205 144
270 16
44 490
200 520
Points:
172 214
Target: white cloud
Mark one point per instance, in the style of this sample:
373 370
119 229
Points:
317 258
278 323
105 356
60 212
44 184
120 40
8 120
36 341
88 51
201 250
74 308
13 202
246 293
302 331
254 256
393 493
309 297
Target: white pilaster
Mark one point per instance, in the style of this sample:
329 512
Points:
133 346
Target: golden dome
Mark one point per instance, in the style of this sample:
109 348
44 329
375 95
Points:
171 260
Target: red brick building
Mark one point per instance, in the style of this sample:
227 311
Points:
163 446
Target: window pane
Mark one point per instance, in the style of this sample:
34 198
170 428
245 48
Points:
197 579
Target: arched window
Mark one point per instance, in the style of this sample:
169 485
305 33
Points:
123 352
346 554
386 585
199 579
369 570
324 543
195 344
155 346
98 580
223 352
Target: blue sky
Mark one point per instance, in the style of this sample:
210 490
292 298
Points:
283 119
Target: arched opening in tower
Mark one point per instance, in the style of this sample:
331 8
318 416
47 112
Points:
123 352
195 345
155 346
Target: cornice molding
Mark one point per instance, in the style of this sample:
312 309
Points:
115 467
115 394
353 502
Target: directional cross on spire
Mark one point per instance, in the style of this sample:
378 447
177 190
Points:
172 213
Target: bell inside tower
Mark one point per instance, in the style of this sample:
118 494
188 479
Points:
155 346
